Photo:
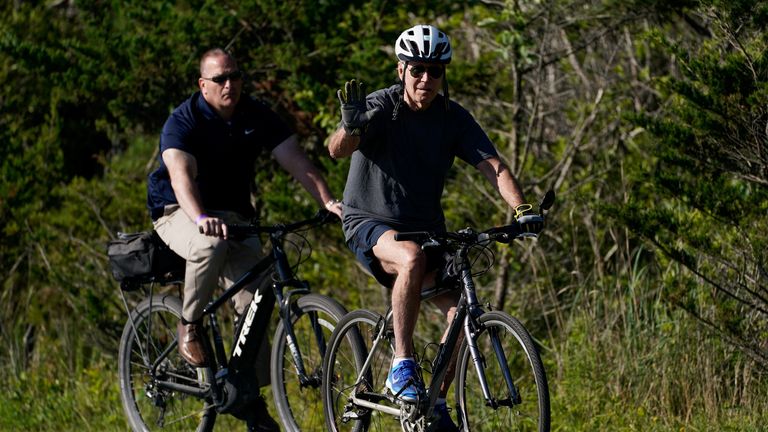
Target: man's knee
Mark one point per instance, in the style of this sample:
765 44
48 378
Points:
206 248
411 261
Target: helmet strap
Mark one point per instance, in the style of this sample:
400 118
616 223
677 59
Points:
445 88
401 95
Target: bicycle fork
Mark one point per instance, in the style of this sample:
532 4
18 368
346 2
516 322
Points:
479 361
472 330
285 316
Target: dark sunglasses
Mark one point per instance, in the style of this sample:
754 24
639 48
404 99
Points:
221 79
434 72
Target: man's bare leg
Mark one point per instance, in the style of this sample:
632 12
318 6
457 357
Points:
407 262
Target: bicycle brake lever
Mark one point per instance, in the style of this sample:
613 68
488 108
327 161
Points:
547 201
428 244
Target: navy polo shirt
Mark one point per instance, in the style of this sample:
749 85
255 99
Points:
225 152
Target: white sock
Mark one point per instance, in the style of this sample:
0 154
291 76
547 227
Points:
397 360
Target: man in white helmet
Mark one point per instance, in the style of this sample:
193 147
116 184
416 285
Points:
403 140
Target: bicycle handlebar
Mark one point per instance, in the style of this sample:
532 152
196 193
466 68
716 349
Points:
503 234
322 217
468 236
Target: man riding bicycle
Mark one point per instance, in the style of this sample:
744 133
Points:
208 149
403 140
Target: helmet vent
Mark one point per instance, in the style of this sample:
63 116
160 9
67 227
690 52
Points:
414 48
439 50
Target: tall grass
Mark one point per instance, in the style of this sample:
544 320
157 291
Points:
630 361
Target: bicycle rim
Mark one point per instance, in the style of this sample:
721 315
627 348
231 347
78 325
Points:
300 407
531 412
148 406
347 353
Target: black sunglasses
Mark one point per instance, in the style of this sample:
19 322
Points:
235 75
434 72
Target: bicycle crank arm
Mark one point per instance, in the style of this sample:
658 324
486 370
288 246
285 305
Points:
181 388
375 406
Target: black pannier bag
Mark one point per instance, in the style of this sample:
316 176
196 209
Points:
142 257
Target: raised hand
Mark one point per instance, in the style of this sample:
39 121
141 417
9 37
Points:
354 113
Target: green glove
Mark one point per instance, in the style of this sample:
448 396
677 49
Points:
354 113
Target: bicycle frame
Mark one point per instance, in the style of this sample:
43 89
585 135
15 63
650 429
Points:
257 315
246 346
464 320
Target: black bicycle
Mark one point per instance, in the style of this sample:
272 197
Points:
500 383
160 390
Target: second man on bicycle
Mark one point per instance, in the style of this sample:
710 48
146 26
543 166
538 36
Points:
208 149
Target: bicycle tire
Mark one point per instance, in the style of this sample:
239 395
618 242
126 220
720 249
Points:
532 412
147 333
346 355
300 407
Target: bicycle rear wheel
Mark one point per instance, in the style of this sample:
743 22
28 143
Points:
149 332
300 405
346 355
529 411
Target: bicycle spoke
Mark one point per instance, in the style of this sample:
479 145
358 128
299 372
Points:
347 354
147 404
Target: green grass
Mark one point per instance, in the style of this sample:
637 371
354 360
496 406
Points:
86 401
585 398
597 387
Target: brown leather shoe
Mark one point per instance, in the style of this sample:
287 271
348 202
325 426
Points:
191 344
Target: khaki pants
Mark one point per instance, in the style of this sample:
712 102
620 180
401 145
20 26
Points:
212 262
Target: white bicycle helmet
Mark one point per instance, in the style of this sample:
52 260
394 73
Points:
423 43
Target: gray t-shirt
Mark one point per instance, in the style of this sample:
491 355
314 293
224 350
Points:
398 172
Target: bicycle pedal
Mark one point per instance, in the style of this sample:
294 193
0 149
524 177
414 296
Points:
401 402
351 415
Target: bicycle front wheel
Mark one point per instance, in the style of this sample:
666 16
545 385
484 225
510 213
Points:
298 399
149 402
343 376
524 407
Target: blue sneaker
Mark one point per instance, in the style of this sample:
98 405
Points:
443 420
399 377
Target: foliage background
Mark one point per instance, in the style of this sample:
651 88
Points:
648 291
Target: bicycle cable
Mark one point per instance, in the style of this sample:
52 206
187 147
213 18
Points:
299 245
483 251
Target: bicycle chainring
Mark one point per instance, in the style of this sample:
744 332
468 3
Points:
410 419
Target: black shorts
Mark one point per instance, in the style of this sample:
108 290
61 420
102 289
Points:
366 237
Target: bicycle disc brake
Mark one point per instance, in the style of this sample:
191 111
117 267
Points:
410 419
